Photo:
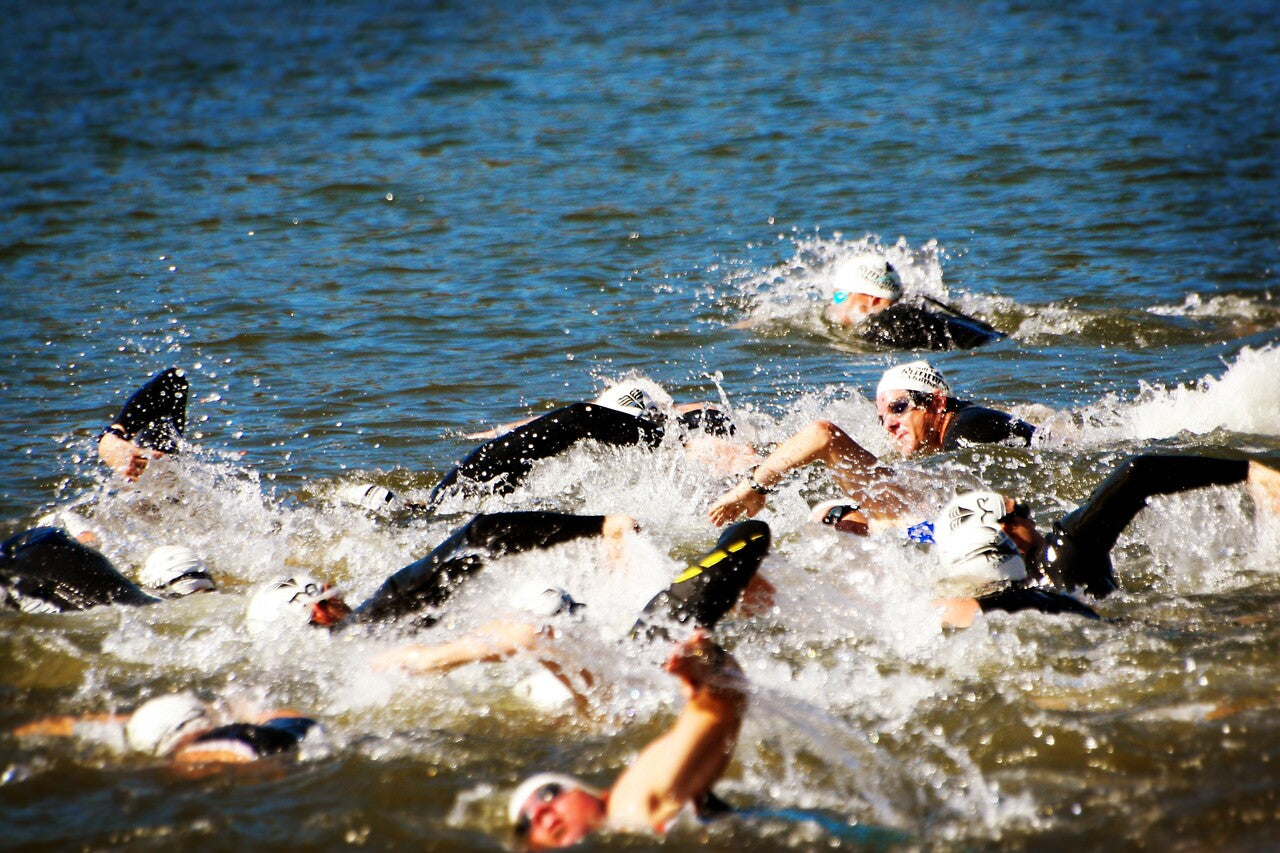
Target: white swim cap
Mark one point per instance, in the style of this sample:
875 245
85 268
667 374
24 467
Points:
158 724
630 397
867 273
288 601
913 376
976 553
175 570
520 796
371 496
546 601
972 508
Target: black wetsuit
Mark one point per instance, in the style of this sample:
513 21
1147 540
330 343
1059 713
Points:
973 424
914 327
1017 597
43 570
283 734
428 583
156 415
1078 549
500 465
702 593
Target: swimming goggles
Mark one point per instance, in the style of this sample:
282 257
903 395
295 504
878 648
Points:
839 296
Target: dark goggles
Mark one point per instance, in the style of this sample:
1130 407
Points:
838 512
1018 511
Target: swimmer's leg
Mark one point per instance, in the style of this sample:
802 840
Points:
1083 539
430 581
709 588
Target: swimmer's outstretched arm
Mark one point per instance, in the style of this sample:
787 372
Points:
682 764
856 469
492 642
65 725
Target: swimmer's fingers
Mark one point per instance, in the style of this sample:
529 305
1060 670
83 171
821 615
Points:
758 598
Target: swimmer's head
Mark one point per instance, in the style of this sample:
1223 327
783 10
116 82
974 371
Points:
552 810
546 601
175 570
868 274
987 508
297 600
370 496
631 397
973 552
911 400
160 724
917 376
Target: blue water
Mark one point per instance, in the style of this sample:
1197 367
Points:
366 229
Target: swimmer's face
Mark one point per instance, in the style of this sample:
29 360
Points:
1021 528
913 426
329 611
560 817
848 308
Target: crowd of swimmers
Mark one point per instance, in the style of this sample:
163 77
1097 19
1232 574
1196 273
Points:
990 554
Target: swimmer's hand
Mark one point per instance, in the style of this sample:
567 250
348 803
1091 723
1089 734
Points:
704 668
757 598
733 503
124 457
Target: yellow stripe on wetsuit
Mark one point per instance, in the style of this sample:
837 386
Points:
714 557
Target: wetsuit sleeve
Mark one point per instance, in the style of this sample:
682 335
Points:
1014 598
1079 551
258 740
156 415
709 588
978 425
430 581
501 464
45 570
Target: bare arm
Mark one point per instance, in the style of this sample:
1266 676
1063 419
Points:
855 468
1264 486
65 725
498 430
682 764
492 642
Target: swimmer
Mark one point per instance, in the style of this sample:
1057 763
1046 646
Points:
981 570
1076 552
865 293
412 592
150 425
701 595
918 411
625 415
670 776
186 730
44 570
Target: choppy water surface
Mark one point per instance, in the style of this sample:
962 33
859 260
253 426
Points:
366 230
